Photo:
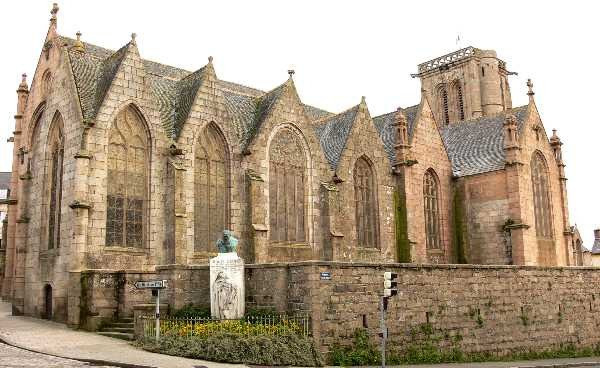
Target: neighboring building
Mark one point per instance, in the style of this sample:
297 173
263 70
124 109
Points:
577 248
595 252
126 165
4 188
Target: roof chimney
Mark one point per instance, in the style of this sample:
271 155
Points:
596 246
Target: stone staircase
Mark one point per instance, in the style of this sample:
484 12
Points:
122 328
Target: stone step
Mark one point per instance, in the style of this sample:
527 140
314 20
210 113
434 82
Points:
125 320
117 329
121 324
118 335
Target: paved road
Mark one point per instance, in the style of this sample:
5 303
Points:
12 357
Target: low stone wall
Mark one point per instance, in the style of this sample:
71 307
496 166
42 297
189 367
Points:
499 309
107 295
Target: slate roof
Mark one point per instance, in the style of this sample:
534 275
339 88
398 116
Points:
175 90
476 146
385 127
333 133
314 113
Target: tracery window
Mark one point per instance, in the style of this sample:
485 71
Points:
541 196
211 188
127 180
56 149
365 204
432 210
459 101
287 181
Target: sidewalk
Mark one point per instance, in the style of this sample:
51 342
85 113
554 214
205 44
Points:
56 339
548 363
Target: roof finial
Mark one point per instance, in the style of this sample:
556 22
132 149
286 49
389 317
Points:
78 45
23 85
291 73
53 12
210 59
133 36
363 99
530 86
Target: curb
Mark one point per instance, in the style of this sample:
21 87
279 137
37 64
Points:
563 365
96 362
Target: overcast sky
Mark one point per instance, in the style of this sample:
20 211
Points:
342 50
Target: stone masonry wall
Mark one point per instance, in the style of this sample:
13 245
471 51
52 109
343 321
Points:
486 201
474 308
498 309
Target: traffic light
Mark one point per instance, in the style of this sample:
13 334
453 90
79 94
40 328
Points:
390 284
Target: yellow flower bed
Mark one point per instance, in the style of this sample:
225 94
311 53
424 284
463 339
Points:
202 328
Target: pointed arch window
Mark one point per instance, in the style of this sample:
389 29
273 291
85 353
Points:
211 208
432 210
365 199
459 101
46 83
541 196
444 103
127 180
56 149
287 180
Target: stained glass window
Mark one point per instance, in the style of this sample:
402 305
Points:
287 181
211 188
56 149
541 196
432 210
127 181
365 204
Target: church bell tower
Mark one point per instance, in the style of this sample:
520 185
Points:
466 84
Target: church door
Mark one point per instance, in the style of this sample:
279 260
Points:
48 302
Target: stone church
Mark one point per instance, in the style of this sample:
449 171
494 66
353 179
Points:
124 165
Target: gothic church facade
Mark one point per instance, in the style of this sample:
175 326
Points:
123 164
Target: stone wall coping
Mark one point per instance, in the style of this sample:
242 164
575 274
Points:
337 264
103 270
149 306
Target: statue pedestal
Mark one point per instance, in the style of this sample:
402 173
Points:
227 300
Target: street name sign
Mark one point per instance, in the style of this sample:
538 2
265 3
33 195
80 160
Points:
154 284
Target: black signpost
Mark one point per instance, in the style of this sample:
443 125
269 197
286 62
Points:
155 286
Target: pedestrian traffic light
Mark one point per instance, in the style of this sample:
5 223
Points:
390 284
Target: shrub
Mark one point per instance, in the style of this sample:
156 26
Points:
361 352
191 311
220 346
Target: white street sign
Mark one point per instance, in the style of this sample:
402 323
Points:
155 284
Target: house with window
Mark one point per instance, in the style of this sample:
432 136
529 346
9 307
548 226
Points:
123 165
